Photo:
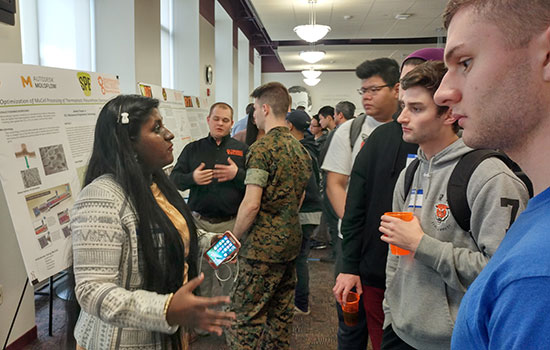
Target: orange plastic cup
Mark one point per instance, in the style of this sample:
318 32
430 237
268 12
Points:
351 309
405 216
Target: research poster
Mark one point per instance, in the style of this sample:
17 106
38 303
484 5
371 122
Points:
47 121
184 116
197 111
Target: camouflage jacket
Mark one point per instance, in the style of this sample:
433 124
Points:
282 167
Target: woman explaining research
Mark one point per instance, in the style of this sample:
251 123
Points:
134 242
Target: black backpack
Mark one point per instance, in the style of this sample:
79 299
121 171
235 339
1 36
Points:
356 126
458 183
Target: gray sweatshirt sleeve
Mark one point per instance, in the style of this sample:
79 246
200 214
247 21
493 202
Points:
496 197
393 260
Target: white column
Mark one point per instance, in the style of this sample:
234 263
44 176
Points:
223 74
186 47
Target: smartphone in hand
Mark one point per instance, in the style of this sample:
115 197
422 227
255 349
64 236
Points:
223 250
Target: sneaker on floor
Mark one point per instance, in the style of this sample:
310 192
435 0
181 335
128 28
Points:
316 245
298 311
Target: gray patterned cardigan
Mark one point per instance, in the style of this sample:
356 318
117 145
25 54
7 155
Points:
116 312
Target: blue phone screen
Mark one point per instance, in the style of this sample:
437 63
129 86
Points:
221 250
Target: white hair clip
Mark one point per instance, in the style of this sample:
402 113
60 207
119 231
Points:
124 118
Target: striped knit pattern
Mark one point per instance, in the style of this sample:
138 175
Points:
116 312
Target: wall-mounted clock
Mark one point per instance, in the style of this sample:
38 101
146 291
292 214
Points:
209 74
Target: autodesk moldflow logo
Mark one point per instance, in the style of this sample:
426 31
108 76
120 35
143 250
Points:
38 81
85 82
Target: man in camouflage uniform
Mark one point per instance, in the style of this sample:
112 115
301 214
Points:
278 169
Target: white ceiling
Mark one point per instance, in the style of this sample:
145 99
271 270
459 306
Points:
371 19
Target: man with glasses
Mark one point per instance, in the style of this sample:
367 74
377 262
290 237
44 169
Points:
375 172
380 89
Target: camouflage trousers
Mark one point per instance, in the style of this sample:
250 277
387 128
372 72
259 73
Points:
263 300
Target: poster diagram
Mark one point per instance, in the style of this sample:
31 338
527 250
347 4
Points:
29 176
53 159
49 212
47 122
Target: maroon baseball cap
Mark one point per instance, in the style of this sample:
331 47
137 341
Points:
426 54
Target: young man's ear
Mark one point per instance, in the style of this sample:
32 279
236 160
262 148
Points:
289 124
266 109
396 90
545 53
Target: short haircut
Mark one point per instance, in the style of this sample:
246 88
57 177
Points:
385 68
316 117
221 105
429 76
346 108
326 111
414 61
301 108
249 108
275 95
519 20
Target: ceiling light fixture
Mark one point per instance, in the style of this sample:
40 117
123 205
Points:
312 82
311 73
312 32
312 56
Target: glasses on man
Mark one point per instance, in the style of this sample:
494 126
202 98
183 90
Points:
371 90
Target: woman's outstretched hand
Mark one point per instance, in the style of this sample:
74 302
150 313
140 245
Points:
189 310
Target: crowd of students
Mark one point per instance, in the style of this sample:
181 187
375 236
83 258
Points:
476 273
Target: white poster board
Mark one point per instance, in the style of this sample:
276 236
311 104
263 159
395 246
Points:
197 111
184 116
47 121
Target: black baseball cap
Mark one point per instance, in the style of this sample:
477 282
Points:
299 119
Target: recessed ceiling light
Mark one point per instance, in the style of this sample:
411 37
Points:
348 17
403 15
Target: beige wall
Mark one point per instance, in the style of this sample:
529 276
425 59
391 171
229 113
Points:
10 41
12 269
207 57
147 41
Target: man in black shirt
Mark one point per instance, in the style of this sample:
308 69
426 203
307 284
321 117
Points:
369 195
213 169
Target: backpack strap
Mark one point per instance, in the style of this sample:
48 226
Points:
409 175
458 183
356 126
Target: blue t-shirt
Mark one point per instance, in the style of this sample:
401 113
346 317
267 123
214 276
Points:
239 125
508 305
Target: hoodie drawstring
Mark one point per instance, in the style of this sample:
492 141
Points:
417 185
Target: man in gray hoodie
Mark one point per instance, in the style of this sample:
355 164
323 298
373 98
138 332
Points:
424 288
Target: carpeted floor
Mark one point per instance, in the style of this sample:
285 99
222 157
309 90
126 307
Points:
316 331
